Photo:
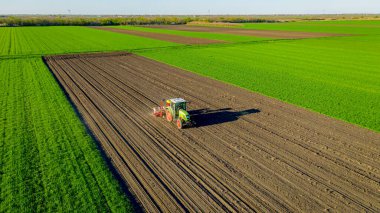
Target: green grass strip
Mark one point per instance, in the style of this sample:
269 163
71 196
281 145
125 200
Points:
48 161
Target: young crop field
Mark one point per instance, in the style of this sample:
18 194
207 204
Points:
212 36
345 27
54 40
338 76
48 161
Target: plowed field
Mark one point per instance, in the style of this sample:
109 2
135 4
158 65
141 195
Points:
161 36
247 32
248 152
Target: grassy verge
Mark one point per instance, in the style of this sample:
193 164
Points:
48 161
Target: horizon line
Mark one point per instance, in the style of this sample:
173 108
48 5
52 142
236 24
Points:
274 14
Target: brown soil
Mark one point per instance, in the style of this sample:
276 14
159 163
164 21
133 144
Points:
247 32
248 152
218 24
163 37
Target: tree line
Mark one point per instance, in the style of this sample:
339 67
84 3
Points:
13 21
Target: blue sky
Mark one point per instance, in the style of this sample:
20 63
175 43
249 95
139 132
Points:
144 7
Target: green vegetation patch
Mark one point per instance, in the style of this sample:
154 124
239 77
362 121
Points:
48 161
344 27
338 77
68 39
213 36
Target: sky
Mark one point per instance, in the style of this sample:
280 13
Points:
182 7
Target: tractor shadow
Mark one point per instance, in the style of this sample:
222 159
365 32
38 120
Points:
208 117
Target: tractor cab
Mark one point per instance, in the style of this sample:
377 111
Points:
174 110
176 105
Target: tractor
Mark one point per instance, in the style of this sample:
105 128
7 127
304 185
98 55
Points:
174 110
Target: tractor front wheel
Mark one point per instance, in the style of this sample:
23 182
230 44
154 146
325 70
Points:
169 116
179 124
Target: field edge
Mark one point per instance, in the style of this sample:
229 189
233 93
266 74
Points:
136 205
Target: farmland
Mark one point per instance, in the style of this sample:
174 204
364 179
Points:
212 36
162 36
280 111
359 27
244 32
362 27
49 163
337 76
27 41
248 152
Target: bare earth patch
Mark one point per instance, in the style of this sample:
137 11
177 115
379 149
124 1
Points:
218 24
247 32
247 153
163 37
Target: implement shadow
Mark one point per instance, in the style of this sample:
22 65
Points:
208 117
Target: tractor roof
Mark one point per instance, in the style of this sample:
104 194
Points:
177 100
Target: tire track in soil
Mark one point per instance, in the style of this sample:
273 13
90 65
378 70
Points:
248 153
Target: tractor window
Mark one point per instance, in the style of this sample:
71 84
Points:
182 106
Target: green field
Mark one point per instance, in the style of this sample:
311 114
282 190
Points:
48 161
345 27
337 76
213 36
57 40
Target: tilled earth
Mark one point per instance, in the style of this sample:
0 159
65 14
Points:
163 37
247 32
247 152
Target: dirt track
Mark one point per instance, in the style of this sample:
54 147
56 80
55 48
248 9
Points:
163 37
249 152
247 32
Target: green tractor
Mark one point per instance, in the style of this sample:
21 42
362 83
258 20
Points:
174 110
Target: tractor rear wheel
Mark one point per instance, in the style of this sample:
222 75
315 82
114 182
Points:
179 124
169 116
